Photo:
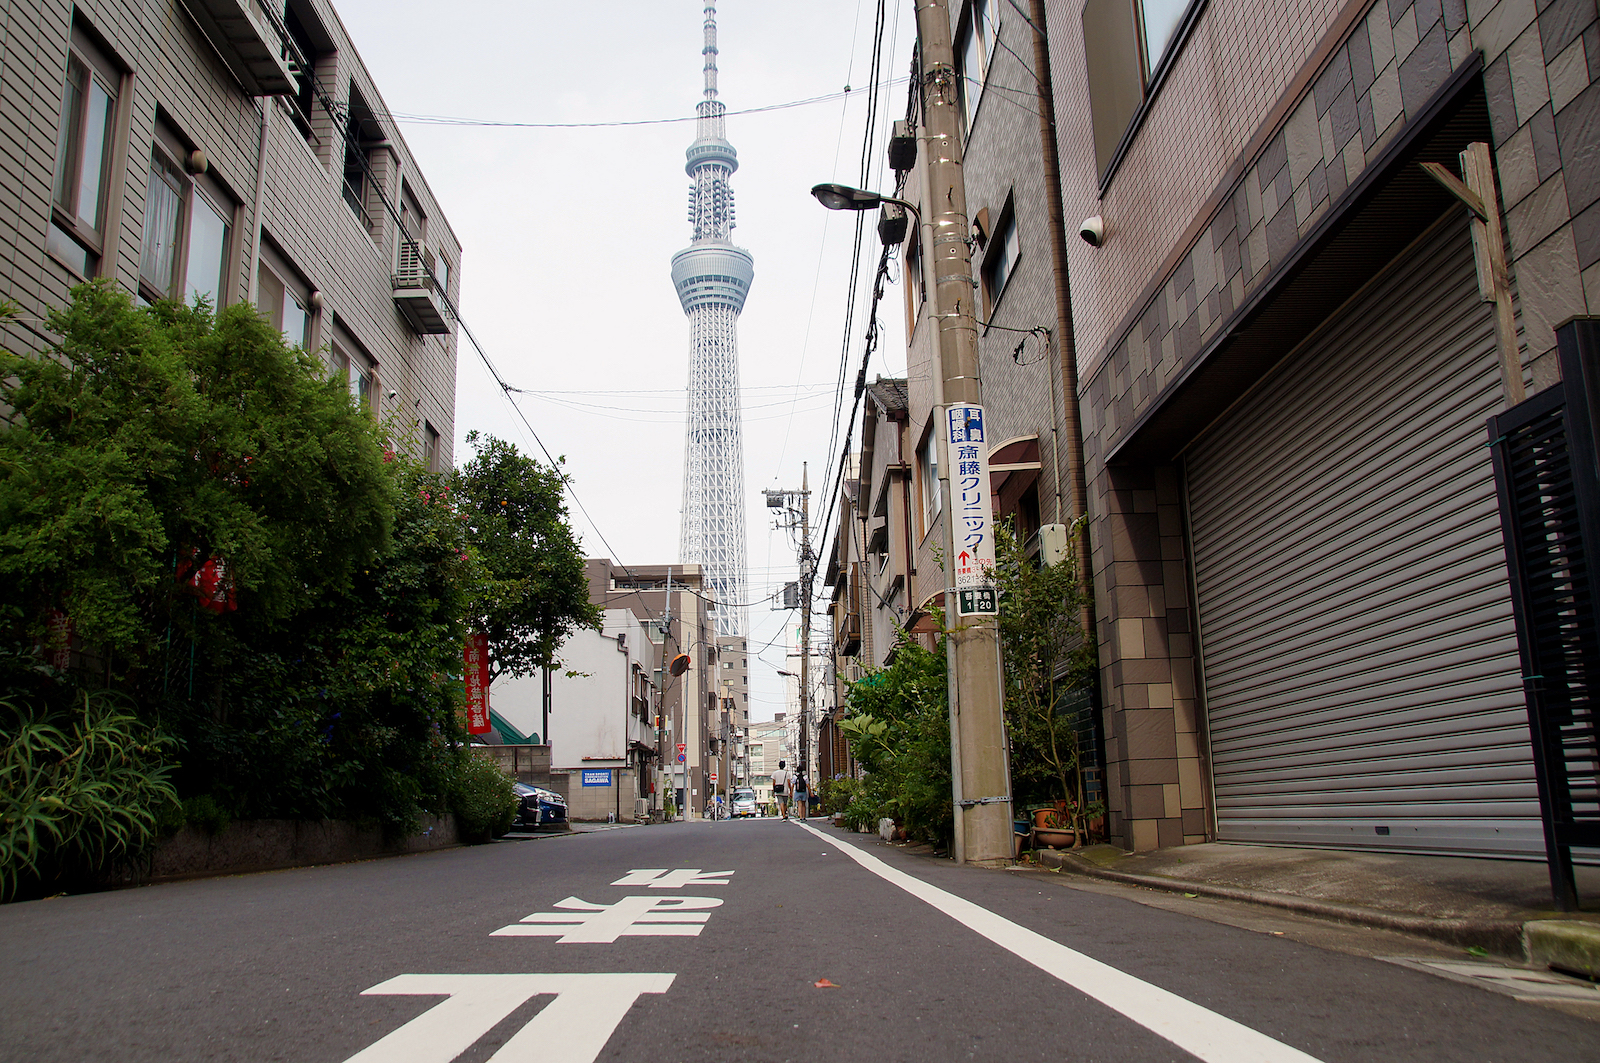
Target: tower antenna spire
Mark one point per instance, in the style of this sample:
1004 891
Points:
712 278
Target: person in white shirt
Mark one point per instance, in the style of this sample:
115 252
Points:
780 790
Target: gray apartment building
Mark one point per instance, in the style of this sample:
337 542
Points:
1288 366
235 150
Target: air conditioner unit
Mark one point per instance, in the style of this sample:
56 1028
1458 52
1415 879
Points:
641 808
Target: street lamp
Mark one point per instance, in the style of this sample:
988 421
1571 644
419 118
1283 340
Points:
891 227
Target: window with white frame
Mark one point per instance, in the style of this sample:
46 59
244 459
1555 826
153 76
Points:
186 251
86 141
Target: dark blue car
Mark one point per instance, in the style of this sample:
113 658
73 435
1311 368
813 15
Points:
538 807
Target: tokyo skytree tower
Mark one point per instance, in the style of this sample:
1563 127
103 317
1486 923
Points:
712 278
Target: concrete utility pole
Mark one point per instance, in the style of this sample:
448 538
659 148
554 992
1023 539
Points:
808 572
978 756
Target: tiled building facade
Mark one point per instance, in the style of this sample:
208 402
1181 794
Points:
1269 162
176 159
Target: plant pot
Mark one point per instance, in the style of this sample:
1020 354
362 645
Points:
1053 838
1041 816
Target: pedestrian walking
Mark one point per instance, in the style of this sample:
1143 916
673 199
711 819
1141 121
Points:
780 790
801 797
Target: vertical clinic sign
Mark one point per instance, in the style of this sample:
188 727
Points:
968 457
476 657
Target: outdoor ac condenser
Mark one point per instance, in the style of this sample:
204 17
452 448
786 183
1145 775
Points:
641 808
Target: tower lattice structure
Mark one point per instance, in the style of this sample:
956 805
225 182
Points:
712 278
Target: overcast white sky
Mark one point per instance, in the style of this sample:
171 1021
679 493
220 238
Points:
568 236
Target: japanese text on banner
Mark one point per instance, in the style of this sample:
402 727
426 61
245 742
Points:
476 658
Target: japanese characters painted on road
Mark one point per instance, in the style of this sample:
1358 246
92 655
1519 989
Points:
661 878
476 658
973 514
583 923
572 1028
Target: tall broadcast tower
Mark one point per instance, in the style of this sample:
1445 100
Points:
712 278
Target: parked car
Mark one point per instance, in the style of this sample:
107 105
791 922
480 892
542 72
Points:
744 802
538 807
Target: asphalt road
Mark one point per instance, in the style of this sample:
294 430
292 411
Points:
620 945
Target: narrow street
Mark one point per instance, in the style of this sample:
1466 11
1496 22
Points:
708 941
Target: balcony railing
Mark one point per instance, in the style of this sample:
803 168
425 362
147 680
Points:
252 40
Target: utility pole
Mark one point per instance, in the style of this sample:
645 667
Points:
790 500
665 771
978 755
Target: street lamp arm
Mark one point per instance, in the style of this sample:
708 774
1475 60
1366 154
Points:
844 197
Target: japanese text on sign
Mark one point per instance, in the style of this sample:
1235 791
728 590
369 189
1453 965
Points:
476 659
973 516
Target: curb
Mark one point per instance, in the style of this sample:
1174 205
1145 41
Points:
1566 944
1503 937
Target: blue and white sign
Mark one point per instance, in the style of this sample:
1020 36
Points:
597 776
973 515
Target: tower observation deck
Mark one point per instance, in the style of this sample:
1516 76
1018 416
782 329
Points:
712 278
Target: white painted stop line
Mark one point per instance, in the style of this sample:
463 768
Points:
1197 1030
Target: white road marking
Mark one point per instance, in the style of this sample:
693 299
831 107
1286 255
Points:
585 923
661 878
1197 1030
572 1028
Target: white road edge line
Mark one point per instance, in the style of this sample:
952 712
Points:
1197 1030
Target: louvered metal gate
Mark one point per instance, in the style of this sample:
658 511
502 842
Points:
1356 633
1545 473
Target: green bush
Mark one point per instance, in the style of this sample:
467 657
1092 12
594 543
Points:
899 731
482 799
81 791
836 794
204 812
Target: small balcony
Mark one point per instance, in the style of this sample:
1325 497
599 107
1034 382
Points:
252 40
416 295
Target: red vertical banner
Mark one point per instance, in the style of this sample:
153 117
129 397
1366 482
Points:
476 657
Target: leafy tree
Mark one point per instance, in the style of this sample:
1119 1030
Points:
156 440
241 559
1046 661
535 592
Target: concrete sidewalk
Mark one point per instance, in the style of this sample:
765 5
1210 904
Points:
1503 906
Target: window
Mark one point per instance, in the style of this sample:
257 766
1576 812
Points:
361 132
441 274
1001 260
283 298
916 282
1126 44
974 46
188 221
313 44
430 447
932 499
84 148
360 371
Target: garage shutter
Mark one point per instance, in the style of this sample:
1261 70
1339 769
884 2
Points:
1360 662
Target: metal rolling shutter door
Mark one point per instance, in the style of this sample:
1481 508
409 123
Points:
1360 663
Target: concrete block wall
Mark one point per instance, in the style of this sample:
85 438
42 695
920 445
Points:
171 68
